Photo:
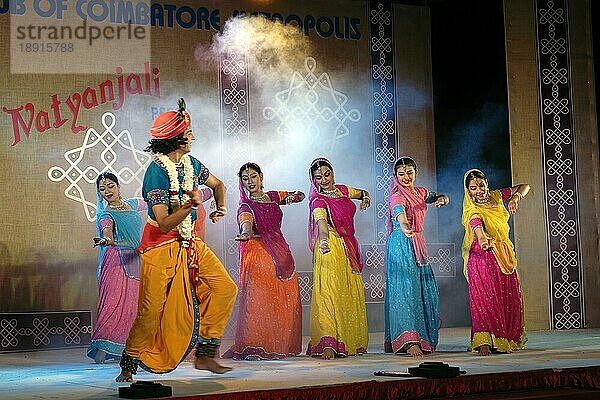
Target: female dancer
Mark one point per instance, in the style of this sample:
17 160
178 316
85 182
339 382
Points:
411 296
268 283
490 266
338 317
119 233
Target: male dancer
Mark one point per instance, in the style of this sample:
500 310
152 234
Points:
177 267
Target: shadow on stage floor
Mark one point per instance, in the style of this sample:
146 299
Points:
555 365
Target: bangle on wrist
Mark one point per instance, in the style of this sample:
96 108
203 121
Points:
324 241
518 195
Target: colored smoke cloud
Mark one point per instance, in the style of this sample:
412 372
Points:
269 46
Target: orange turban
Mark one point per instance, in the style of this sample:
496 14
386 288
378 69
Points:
170 124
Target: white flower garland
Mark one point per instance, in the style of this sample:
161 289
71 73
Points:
185 227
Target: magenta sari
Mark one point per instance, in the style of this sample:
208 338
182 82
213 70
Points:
494 293
267 221
340 215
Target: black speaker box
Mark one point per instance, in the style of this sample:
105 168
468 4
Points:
435 370
145 390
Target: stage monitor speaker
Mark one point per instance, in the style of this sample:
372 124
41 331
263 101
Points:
435 370
145 390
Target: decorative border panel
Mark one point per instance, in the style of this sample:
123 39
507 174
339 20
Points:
558 154
235 142
383 101
44 330
373 256
305 282
442 257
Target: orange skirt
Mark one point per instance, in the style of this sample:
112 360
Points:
269 319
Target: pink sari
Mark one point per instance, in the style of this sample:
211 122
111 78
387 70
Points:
118 278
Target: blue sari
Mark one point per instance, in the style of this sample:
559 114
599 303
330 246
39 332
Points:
127 231
411 296
118 275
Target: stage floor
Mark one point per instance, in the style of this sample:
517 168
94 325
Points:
69 374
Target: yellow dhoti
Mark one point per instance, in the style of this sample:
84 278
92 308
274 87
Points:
216 293
169 318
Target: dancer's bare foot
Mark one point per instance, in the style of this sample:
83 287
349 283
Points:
209 364
100 357
415 350
328 354
484 350
124 376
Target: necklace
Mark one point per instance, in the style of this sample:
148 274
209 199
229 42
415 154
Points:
263 198
185 226
329 191
483 202
119 207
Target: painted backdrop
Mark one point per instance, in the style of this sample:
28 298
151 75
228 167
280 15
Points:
276 83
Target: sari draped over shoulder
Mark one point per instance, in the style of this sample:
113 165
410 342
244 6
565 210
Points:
127 228
338 317
411 308
267 218
495 221
340 216
495 296
416 209
118 275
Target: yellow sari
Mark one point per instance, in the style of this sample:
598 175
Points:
338 314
